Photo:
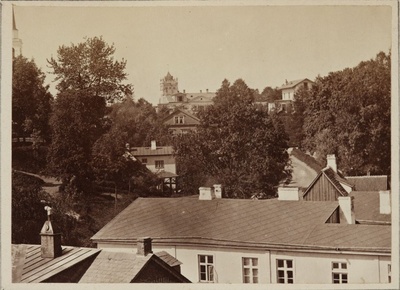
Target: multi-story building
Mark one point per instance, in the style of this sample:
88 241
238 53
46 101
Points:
181 122
16 42
172 98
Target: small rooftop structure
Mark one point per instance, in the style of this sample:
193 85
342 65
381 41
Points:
369 182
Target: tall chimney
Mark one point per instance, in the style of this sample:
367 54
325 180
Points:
144 246
201 91
153 145
205 193
218 190
288 193
207 90
331 161
184 91
384 202
50 242
346 204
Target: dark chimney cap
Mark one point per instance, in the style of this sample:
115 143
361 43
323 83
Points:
144 246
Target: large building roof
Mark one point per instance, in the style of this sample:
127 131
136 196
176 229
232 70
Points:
292 84
233 222
369 183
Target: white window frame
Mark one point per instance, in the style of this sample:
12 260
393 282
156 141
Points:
208 267
158 163
286 270
340 273
179 119
250 270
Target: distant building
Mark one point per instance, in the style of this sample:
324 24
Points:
172 98
16 42
181 122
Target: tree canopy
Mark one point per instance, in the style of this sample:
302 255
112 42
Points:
31 100
89 77
347 113
90 66
237 145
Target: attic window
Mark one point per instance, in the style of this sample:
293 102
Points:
306 85
144 160
179 120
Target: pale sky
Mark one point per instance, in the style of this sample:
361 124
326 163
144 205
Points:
264 45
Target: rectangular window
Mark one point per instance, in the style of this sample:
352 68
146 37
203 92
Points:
144 160
339 273
179 120
206 268
390 273
250 270
284 271
159 164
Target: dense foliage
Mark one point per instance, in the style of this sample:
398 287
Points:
89 77
347 113
236 144
31 101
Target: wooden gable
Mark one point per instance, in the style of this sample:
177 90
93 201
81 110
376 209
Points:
187 119
324 188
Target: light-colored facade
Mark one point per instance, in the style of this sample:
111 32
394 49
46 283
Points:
157 159
181 122
290 88
17 42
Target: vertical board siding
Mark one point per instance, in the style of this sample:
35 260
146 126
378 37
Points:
322 190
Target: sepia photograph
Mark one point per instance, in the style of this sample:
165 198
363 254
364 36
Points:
202 142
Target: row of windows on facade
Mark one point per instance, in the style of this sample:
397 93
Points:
158 163
284 270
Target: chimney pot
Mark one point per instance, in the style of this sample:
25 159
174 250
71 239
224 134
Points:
331 161
205 193
153 145
346 204
288 193
144 246
218 190
384 202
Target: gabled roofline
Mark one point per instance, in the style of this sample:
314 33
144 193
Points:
182 111
318 176
287 86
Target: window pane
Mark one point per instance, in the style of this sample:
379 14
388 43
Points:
246 261
344 278
247 271
281 274
289 263
255 279
280 263
202 268
255 262
335 265
202 259
290 274
281 280
210 259
202 276
290 281
344 265
255 272
246 279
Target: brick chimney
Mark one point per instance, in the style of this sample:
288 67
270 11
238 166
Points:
384 202
288 193
50 242
218 190
346 204
331 161
144 246
153 145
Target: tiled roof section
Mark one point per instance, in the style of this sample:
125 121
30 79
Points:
369 183
112 267
292 84
146 151
351 237
335 179
220 220
178 111
366 207
208 95
168 259
36 269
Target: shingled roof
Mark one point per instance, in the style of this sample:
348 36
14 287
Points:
292 84
366 207
224 222
369 183
147 151
30 267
